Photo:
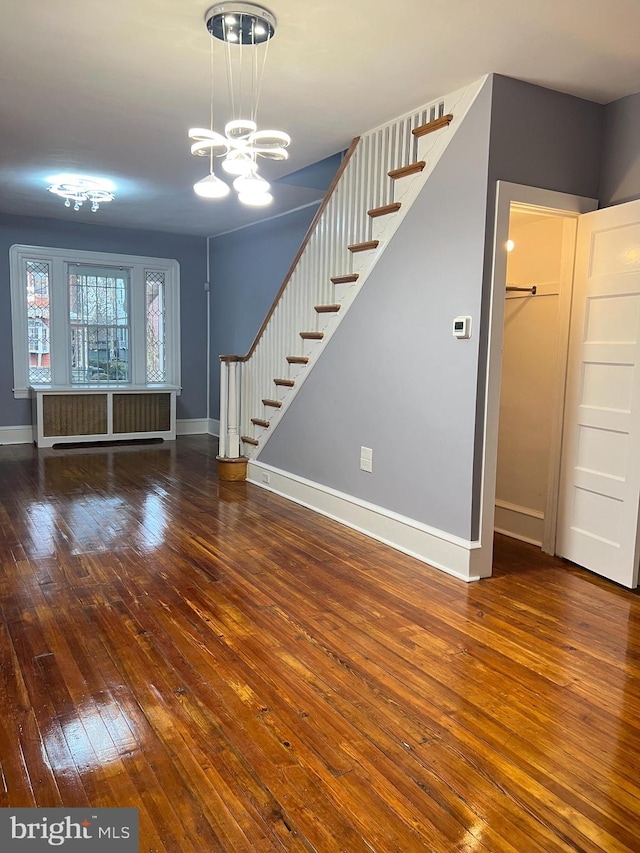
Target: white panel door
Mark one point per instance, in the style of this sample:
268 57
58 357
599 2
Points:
600 478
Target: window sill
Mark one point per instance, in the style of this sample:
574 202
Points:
88 387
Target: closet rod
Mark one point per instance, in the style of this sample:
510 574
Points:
532 290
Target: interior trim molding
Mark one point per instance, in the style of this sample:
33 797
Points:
522 510
518 536
186 426
192 426
441 550
16 434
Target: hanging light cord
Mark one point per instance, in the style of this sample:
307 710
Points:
230 78
256 74
211 104
259 77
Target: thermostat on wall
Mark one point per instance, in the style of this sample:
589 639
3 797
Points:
462 327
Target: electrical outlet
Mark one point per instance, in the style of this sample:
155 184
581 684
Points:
366 459
266 477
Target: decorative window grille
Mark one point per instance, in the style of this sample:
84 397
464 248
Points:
81 317
37 292
99 324
155 323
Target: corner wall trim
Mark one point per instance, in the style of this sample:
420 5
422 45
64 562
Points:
214 427
441 550
16 434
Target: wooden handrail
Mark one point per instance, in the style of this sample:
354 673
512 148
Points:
303 246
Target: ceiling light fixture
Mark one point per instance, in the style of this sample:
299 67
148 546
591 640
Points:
80 190
246 30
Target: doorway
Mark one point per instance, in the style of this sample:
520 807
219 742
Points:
555 204
539 275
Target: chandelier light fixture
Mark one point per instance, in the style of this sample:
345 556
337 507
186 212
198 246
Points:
76 190
246 30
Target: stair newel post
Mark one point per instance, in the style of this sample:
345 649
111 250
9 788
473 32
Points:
233 434
231 465
224 396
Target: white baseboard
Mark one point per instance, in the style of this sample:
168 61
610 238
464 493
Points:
519 522
441 550
522 510
518 536
16 434
192 426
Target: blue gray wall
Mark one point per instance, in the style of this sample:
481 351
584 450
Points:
539 138
393 377
620 178
248 267
544 139
190 252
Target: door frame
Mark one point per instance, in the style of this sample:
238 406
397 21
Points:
506 194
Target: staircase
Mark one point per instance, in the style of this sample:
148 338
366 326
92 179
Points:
378 180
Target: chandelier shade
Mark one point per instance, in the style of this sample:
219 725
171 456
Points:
211 187
245 29
255 199
239 162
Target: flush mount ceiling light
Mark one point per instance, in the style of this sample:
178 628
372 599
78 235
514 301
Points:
77 190
246 30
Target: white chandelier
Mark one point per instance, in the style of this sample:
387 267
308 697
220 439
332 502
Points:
80 190
244 28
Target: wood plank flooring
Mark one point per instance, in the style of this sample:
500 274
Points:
254 677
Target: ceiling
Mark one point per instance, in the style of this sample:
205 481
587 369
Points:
111 88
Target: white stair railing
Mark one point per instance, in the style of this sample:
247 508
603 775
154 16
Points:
362 184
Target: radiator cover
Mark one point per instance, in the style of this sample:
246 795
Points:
61 416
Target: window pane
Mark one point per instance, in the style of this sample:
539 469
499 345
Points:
155 322
99 324
38 322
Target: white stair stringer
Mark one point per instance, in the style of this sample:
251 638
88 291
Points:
329 256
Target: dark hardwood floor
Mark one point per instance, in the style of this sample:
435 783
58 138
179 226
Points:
254 677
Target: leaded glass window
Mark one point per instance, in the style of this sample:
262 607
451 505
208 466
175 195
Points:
38 317
99 324
155 325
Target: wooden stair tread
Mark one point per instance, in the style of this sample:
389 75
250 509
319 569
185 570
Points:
275 404
394 207
364 247
297 359
405 171
430 126
260 422
345 279
285 383
312 336
328 309
248 440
